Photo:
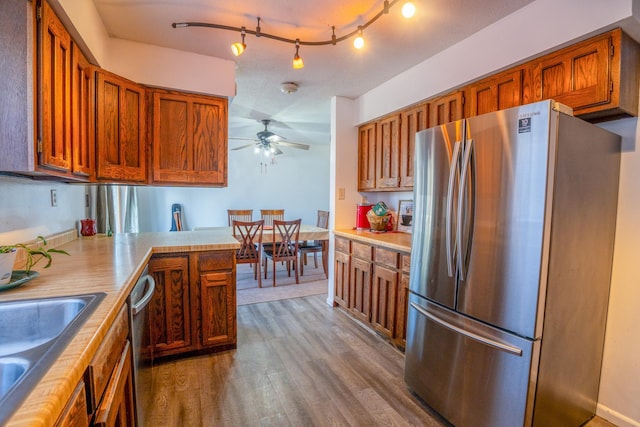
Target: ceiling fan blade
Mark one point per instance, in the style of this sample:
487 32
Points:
297 145
239 138
244 146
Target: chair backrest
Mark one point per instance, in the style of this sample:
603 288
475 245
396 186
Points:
245 215
250 236
268 215
323 219
288 231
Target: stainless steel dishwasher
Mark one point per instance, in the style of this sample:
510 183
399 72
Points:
140 339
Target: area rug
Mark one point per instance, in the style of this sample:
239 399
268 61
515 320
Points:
313 282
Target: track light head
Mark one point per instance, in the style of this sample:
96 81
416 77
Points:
238 48
358 42
408 10
297 61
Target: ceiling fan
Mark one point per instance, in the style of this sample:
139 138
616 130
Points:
269 142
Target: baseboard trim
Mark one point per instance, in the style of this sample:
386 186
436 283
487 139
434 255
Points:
615 417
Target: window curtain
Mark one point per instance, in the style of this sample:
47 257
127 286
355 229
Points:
117 209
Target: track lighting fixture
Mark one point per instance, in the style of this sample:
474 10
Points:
297 61
408 10
238 48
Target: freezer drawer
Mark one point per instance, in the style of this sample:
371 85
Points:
471 373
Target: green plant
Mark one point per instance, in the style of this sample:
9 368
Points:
34 254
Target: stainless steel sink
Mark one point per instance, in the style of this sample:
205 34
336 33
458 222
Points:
11 370
28 324
32 335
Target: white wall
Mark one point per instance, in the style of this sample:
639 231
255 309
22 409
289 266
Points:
539 27
299 183
26 211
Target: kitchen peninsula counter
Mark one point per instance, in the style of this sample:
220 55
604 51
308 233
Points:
394 240
97 264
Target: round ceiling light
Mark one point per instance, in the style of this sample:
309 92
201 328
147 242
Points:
288 87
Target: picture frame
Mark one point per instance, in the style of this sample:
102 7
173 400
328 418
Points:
405 216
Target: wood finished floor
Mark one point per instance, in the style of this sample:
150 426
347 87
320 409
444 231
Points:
299 362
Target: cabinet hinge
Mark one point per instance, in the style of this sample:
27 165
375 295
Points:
39 13
611 86
462 100
613 49
39 145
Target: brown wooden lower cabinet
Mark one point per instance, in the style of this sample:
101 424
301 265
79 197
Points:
371 284
74 413
194 306
109 378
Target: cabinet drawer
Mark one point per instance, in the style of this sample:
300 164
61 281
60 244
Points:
406 263
387 257
342 245
210 261
99 371
362 251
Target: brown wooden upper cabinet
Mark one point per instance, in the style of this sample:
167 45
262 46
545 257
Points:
189 138
65 125
412 120
446 109
388 153
495 93
120 129
597 77
367 157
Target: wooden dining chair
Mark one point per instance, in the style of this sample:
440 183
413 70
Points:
245 215
313 246
249 234
285 250
268 215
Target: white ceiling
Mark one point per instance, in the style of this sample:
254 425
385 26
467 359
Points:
393 44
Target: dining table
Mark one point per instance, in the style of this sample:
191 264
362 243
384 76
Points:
307 232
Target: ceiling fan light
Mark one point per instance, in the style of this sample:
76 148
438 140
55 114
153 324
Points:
408 10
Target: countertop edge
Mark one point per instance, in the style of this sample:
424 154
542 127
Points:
392 240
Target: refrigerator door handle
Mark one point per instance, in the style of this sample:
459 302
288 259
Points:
452 175
484 340
463 188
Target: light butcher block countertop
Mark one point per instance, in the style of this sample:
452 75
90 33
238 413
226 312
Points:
96 264
398 241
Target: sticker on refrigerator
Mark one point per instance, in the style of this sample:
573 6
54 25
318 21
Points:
524 125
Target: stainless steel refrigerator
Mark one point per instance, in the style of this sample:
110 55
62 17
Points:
512 247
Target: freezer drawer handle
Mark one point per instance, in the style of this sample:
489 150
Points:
487 341
137 308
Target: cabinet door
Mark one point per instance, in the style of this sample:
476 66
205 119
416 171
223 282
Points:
360 289
170 313
189 141
116 408
400 334
412 120
120 132
495 93
446 109
75 411
217 309
341 276
577 76
367 157
54 148
384 300
82 115
388 153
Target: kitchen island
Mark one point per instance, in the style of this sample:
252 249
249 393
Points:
96 264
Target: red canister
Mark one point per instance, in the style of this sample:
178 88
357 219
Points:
362 223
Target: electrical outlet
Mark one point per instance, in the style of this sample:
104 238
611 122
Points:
340 193
54 198
86 200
